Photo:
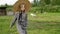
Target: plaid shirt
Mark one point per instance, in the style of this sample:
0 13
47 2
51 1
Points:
20 18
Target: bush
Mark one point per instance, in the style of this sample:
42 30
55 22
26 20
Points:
9 9
45 9
52 8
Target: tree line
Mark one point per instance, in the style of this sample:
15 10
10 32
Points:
45 2
41 6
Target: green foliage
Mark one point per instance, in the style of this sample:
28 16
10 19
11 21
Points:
9 9
42 3
45 9
52 9
35 9
47 2
55 2
35 3
48 23
6 5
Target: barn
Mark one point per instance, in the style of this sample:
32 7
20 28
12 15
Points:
3 10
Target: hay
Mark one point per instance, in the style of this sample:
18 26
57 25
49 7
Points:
19 2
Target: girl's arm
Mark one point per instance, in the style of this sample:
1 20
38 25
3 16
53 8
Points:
14 20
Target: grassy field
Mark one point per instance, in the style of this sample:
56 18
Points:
48 23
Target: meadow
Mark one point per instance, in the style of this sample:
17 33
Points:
46 23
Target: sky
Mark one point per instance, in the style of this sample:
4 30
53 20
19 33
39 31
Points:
9 2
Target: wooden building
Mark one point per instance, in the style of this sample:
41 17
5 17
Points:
3 10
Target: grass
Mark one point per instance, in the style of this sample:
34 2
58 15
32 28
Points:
46 17
48 23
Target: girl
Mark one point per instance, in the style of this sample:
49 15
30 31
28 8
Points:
21 18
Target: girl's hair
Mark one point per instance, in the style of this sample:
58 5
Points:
16 6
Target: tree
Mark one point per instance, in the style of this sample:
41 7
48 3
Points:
42 2
55 2
36 3
6 5
47 2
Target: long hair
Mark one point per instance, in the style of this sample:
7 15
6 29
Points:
16 6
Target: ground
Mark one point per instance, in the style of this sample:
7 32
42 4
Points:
48 23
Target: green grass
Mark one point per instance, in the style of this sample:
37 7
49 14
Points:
46 17
48 23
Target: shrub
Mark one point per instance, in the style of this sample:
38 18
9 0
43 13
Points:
45 9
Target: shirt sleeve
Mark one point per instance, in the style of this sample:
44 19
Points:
14 20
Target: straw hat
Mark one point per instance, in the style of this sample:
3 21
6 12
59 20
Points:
19 2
